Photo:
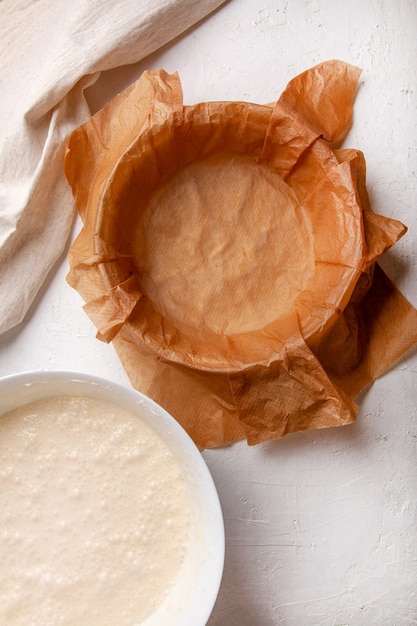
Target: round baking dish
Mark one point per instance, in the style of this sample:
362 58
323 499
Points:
225 242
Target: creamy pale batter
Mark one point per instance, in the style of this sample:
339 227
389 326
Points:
94 515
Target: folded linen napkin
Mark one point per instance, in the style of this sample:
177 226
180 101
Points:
52 51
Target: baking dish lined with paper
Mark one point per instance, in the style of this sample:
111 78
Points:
229 252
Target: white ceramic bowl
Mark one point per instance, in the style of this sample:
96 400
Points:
193 599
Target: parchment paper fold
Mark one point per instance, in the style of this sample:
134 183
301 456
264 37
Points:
229 252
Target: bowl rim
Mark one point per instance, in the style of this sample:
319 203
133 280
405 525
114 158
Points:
42 382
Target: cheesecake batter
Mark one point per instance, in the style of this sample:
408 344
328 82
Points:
95 516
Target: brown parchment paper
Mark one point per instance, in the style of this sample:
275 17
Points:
229 251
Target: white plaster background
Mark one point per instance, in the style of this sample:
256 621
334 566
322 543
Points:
320 526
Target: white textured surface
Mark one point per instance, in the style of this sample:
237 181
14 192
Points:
320 526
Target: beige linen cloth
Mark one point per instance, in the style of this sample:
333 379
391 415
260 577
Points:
50 52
